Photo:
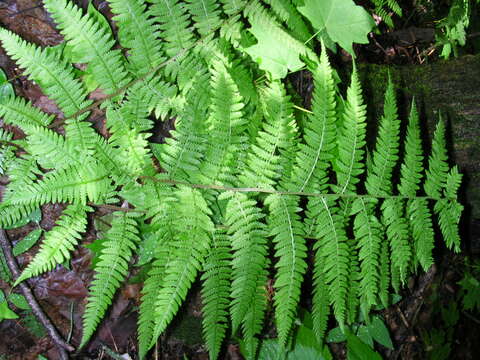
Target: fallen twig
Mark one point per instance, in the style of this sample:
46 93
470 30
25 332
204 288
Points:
61 345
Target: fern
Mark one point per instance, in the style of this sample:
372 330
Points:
90 44
216 292
58 242
242 173
121 241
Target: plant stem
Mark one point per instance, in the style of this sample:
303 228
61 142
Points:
61 345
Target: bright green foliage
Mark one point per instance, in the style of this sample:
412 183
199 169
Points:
351 139
216 292
331 16
121 241
245 185
137 33
290 249
276 51
58 243
249 264
91 43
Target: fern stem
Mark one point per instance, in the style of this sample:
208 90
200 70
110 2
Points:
272 191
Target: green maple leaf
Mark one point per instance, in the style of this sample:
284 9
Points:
345 22
276 51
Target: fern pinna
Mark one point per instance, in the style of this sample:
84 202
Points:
247 183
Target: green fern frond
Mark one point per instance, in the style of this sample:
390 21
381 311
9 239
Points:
191 220
232 7
120 243
412 166
383 9
422 231
164 253
205 15
315 155
449 210
384 275
132 150
174 25
181 154
368 233
22 172
225 127
449 213
353 300
216 292
90 43
436 176
320 301
397 229
58 242
385 156
266 160
18 111
50 149
249 264
53 74
288 13
6 150
332 250
137 32
351 139
71 184
285 225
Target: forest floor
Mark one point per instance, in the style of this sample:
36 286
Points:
428 321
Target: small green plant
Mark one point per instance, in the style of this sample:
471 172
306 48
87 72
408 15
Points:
452 30
244 174
470 286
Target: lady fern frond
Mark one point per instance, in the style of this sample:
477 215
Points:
316 153
412 166
242 173
181 155
73 184
205 15
290 248
449 210
385 155
138 33
58 242
368 233
332 250
422 231
436 176
289 14
225 127
174 25
191 220
216 291
90 43
249 264
19 112
351 139
121 241
54 76
267 159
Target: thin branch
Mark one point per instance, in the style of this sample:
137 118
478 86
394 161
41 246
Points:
61 345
